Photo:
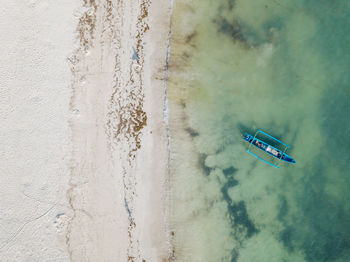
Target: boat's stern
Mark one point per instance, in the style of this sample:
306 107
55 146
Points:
247 137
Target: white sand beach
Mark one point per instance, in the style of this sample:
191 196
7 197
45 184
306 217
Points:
84 143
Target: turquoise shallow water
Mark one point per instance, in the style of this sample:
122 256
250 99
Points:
280 66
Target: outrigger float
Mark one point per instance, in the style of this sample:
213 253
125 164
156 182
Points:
264 146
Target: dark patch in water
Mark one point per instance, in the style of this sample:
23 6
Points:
239 217
229 171
183 104
286 238
237 211
230 28
201 162
240 221
231 182
234 256
191 132
242 225
186 55
190 37
231 4
240 32
245 129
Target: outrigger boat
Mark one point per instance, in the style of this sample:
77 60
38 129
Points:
264 146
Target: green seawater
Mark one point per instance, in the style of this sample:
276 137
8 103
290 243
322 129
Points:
282 67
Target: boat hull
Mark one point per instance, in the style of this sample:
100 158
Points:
268 148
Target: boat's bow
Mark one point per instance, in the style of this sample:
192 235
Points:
288 158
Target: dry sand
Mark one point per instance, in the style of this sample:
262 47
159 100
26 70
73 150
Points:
84 141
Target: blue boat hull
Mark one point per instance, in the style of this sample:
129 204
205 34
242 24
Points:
268 148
